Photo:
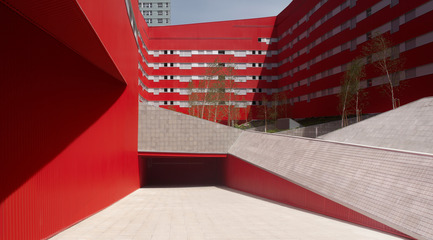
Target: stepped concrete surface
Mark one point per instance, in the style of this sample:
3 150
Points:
210 213
409 127
162 130
389 186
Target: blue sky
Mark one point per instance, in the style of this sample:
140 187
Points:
196 11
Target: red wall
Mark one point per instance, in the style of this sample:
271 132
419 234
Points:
68 129
245 177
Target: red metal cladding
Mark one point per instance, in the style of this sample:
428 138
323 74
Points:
246 177
68 127
314 45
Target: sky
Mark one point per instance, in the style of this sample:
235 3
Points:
197 11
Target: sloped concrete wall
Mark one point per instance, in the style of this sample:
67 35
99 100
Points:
409 127
392 187
162 130
319 129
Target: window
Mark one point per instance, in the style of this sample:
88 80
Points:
148 5
395 25
165 102
221 52
148 20
353 45
254 52
352 23
159 20
166 20
368 59
352 3
159 5
369 83
172 77
410 44
165 90
254 65
260 52
160 13
368 12
410 16
368 36
167 4
165 64
394 2
259 39
171 102
410 73
166 13
147 13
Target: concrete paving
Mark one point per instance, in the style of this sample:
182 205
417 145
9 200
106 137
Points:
212 213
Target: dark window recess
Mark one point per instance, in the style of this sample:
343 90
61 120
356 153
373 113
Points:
260 90
165 102
254 90
260 52
368 12
165 52
171 52
165 77
165 64
260 77
254 64
171 90
165 90
369 83
171 64
260 103
394 2
368 59
254 52
254 77
171 77
221 52
368 36
259 39
171 102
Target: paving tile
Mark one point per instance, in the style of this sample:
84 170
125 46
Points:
200 213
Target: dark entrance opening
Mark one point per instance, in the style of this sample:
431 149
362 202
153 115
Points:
172 171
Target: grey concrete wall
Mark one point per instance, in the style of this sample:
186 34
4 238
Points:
161 130
319 129
392 187
409 127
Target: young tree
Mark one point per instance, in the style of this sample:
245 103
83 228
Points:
193 100
231 87
380 50
350 90
264 111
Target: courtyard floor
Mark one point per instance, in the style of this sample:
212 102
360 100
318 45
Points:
202 213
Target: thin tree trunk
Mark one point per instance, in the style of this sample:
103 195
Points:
344 107
358 118
391 87
204 99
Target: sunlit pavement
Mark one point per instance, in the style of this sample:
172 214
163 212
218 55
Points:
209 213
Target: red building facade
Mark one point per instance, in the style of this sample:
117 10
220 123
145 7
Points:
296 59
